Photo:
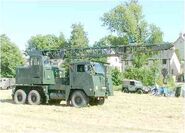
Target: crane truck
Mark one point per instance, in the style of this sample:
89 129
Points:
79 83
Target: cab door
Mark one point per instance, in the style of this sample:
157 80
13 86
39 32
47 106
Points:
35 70
79 77
132 86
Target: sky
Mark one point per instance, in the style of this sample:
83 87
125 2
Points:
21 19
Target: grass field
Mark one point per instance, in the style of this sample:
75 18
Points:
122 113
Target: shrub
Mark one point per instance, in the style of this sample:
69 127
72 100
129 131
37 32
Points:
116 76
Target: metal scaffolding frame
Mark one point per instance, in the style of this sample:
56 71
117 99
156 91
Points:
96 52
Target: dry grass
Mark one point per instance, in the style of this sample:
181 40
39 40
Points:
122 113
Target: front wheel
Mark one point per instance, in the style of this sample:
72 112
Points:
19 96
34 97
79 99
101 101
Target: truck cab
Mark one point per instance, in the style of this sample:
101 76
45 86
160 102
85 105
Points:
89 78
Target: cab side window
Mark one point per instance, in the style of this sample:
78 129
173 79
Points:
132 83
80 68
35 61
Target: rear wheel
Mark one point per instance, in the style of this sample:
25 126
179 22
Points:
34 97
139 91
20 96
8 88
79 99
125 90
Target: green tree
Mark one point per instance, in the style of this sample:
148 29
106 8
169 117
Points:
148 74
46 42
11 57
127 20
155 35
111 40
116 76
62 41
78 36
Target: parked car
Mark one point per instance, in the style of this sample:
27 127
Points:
6 83
180 90
134 86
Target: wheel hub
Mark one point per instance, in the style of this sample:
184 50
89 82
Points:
78 100
33 98
19 97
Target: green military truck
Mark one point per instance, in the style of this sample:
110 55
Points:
78 83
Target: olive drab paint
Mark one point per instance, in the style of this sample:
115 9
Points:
58 83
78 83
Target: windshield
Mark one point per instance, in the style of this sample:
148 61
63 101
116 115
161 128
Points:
46 61
99 68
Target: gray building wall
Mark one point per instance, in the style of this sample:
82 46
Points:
180 45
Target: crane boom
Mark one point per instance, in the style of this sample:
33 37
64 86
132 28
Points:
107 51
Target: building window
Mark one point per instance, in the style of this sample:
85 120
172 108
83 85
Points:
164 61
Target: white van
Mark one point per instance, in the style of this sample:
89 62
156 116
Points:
6 83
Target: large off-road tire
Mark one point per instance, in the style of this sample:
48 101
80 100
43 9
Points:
79 99
139 91
34 97
125 90
20 96
8 88
101 101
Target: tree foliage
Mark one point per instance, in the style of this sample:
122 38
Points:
116 76
46 42
78 36
111 40
146 74
155 35
127 20
11 57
